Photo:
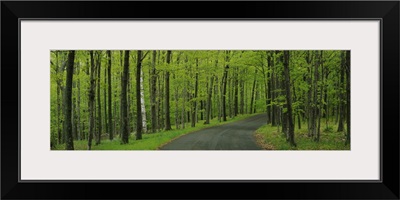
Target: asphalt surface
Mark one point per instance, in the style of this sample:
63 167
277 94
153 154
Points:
232 136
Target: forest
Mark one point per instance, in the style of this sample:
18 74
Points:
143 99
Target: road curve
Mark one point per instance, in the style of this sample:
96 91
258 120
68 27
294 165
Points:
232 136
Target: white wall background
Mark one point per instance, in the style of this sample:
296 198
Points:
39 162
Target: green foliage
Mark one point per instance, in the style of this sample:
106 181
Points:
328 129
274 140
245 68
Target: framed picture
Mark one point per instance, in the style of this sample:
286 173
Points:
298 97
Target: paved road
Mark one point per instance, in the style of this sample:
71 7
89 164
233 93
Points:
233 136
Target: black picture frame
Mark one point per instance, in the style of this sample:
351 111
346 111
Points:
386 11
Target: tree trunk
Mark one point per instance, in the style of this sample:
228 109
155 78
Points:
208 109
315 99
320 63
139 96
224 82
285 116
177 123
161 105
246 92
60 136
105 101
273 94
253 92
91 100
184 94
242 94
110 122
167 108
269 85
266 93
129 108
217 93
310 107
160 102
59 97
194 110
236 101
348 96
278 109
73 108
124 106
99 121
176 98
284 120
183 114
201 108
288 98
69 142
80 132
230 97
142 102
326 113
153 93
116 114
120 95
87 71
298 113
341 96
257 97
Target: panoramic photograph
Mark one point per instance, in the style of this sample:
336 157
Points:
200 100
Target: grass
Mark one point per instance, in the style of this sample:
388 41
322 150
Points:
149 141
269 138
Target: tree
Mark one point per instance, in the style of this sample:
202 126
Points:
105 88
153 92
224 81
58 71
142 101
341 92
184 96
253 92
167 108
160 95
176 96
288 98
124 105
110 122
316 115
269 85
78 108
139 97
236 98
348 96
273 88
320 103
196 86
310 107
91 101
69 142
242 96
208 111
99 121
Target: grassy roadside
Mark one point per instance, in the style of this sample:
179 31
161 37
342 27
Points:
150 141
269 138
